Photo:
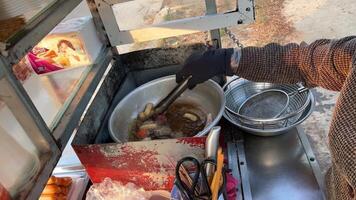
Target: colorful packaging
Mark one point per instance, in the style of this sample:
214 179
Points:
57 52
71 44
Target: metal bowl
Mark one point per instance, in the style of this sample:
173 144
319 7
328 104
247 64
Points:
243 89
208 95
239 90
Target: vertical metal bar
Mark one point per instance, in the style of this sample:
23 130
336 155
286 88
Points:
247 9
245 179
108 18
312 160
20 104
78 106
233 165
214 34
2 75
99 25
36 185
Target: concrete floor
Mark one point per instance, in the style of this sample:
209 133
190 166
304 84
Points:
317 126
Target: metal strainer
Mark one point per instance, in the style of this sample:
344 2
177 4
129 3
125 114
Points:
265 105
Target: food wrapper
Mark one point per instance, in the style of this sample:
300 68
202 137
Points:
57 52
114 190
73 43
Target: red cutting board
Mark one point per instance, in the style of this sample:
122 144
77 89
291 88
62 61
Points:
148 164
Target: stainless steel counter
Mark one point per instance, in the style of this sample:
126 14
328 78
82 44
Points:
279 168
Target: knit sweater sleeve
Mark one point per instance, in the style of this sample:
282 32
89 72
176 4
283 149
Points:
327 63
324 63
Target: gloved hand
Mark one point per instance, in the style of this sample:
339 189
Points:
204 66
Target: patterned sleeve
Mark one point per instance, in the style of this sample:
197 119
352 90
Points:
327 63
341 178
324 63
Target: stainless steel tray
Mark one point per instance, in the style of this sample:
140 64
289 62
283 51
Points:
80 182
279 168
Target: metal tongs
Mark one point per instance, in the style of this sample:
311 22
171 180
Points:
171 97
163 105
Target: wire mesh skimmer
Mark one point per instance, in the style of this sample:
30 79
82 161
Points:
265 105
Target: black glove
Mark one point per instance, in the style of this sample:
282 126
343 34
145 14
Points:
205 66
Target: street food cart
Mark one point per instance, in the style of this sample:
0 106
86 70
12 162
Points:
278 167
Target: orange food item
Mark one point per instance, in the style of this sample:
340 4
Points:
52 189
62 181
52 197
142 133
57 188
52 180
216 182
64 190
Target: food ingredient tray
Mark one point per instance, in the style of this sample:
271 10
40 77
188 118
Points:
79 184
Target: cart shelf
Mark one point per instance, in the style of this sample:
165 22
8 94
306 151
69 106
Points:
49 141
36 28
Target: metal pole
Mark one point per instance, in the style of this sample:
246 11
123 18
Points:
20 104
214 34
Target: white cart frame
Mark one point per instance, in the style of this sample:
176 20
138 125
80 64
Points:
51 143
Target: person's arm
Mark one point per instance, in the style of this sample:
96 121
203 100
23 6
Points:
341 179
327 63
324 63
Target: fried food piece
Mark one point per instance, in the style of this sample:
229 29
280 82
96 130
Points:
148 109
57 188
141 116
148 125
52 197
61 181
65 190
190 116
52 189
179 121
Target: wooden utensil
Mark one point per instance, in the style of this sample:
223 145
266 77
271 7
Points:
215 184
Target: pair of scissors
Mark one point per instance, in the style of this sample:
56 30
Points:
198 188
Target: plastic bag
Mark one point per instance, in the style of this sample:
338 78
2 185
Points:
114 190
